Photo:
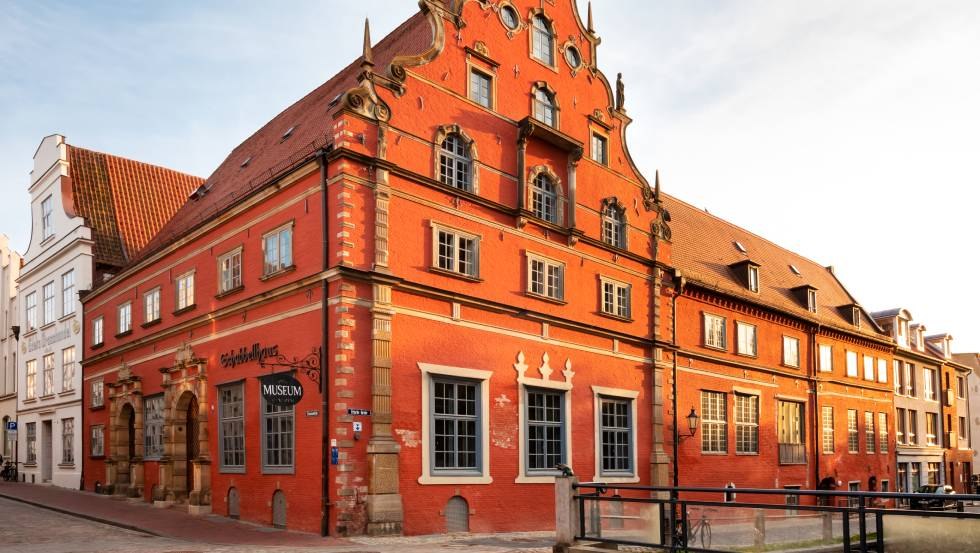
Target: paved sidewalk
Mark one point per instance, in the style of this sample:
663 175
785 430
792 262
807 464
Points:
171 523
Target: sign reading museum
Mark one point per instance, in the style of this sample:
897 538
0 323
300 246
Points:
281 389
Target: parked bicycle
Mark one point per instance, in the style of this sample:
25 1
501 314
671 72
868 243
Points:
9 471
699 531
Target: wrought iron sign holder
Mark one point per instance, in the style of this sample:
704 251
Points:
308 365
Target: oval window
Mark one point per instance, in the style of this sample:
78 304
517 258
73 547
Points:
510 18
572 56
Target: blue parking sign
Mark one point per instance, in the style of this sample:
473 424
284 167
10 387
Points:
12 425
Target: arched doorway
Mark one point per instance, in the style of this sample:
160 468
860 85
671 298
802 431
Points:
457 515
187 481
125 447
279 509
234 503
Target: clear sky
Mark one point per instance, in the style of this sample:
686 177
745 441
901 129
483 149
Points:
846 131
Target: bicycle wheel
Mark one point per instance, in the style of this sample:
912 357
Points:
705 535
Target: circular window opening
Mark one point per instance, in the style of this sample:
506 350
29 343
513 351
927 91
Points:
510 18
572 56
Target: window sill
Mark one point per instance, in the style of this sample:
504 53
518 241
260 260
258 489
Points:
154 322
715 453
790 464
30 464
46 326
617 479
785 366
46 241
545 298
747 454
66 393
615 317
275 470
427 479
97 346
31 400
277 273
454 274
231 470
29 333
536 479
748 355
229 291
716 348
124 333
46 397
96 407
67 316
545 64
66 465
97 457
185 309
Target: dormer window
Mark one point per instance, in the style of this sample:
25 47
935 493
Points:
542 40
748 273
856 316
811 300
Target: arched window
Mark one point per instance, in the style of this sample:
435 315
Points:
455 163
544 198
544 107
542 40
614 226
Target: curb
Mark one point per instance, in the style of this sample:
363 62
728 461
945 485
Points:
109 522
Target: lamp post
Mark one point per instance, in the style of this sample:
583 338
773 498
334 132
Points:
692 425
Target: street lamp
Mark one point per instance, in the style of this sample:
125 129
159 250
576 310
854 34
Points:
692 424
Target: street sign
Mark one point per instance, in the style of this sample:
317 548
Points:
12 426
359 412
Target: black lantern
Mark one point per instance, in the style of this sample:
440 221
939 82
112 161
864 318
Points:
692 421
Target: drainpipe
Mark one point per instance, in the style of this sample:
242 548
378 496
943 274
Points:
815 423
678 288
324 376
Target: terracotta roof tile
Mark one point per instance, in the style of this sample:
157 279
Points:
704 247
268 154
124 202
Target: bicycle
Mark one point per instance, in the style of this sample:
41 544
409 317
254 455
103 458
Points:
9 472
700 530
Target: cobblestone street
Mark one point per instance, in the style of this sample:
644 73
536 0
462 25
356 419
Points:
29 529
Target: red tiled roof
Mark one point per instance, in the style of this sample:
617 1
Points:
268 153
124 202
703 248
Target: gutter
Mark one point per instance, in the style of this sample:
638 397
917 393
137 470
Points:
321 156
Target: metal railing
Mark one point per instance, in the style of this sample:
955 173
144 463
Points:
672 525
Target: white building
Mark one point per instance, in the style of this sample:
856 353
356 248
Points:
972 360
9 271
91 214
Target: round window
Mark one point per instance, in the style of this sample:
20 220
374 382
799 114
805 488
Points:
572 56
510 18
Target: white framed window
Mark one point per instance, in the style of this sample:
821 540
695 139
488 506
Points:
714 331
47 303
616 297
30 310
68 369
277 249
852 431
542 40
714 422
125 317
545 277
614 226
68 293
481 88
746 423
900 419
791 432
852 364
791 351
98 395
929 384
827 424
932 428
455 251
600 149
747 340
544 198
869 368
870 437
455 162
882 370
151 305
30 379
97 331
31 432
47 225
913 432
811 300
455 425
545 109
615 424
882 433
97 443
753 278
545 430
230 270
910 388
826 358
184 291
897 374
48 376
67 441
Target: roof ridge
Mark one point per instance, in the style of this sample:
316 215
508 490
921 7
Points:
752 233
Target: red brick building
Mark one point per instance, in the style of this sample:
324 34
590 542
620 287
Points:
455 222
789 375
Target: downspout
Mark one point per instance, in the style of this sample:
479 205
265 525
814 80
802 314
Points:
817 448
678 287
324 377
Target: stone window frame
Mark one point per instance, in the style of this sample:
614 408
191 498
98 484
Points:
30 310
563 426
98 329
552 95
714 401
444 131
533 31
68 293
615 306
231 284
545 383
68 379
47 216
490 76
607 207
97 430
531 258
222 467
560 197
521 22
124 314
47 303
458 234
98 393
751 398
739 325
47 374
599 394
428 372
705 342
30 379
184 289
67 441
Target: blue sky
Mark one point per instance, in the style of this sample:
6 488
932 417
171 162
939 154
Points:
846 131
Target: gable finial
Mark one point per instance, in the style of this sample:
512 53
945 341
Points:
656 186
368 57
589 26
